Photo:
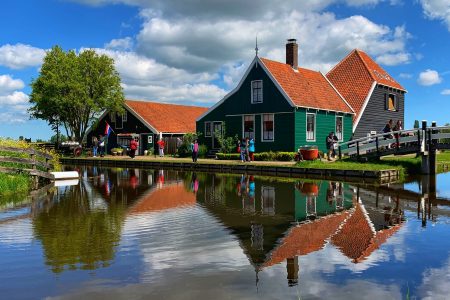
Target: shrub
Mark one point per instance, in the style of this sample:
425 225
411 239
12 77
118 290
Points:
202 150
260 156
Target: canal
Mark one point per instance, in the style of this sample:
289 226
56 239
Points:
161 234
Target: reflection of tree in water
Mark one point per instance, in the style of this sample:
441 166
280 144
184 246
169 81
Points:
74 235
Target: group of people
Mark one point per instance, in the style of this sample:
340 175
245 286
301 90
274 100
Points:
246 148
390 127
98 146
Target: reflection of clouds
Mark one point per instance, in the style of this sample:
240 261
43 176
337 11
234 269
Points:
435 283
172 239
16 232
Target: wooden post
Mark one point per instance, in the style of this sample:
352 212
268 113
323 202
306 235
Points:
378 149
340 153
357 150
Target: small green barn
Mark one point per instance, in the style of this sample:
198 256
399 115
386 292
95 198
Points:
281 106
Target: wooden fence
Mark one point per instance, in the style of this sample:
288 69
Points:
36 159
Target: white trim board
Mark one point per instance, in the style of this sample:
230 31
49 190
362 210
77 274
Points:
366 101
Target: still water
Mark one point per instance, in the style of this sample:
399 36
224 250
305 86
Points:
160 234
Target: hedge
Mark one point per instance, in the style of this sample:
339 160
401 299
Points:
261 156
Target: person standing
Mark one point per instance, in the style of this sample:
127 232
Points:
94 146
247 152
243 150
330 144
398 127
161 145
133 147
195 151
101 145
251 149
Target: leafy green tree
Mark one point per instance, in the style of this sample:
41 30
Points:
416 124
73 89
62 138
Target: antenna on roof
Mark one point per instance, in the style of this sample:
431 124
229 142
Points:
256 47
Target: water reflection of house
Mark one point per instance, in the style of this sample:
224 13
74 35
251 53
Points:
169 196
261 213
352 232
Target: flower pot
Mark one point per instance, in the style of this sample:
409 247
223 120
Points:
309 152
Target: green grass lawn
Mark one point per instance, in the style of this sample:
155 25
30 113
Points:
348 165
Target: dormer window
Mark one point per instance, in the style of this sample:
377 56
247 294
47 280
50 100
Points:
257 91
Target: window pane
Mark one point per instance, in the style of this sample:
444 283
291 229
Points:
339 131
268 127
310 130
249 127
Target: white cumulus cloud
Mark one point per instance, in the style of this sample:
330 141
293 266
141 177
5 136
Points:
437 9
429 77
446 92
8 84
20 56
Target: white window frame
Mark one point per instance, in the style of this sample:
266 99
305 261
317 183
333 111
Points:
342 127
267 194
150 139
243 125
210 129
262 128
251 89
315 127
395 102
124 117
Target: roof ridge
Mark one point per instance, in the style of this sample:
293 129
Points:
282 63
364 62
163 103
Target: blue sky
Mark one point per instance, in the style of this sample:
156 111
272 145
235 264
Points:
193 52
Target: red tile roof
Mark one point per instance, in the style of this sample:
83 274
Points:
306 88
169 196
306 238
167 118
353 78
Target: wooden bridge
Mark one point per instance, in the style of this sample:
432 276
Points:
34 162
422 141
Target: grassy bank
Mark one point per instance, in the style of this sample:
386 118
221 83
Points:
14 184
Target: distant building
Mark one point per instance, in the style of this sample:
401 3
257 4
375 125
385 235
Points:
147 121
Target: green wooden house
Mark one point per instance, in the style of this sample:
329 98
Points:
281 106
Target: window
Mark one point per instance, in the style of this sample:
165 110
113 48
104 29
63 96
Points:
310 127
112 116
124 116
391 102
207 128
257 91
268 200
249 127
267 127
119 121
339 128
150 139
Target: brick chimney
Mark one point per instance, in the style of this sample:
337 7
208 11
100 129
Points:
292 53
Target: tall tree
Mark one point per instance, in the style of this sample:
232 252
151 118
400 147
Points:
73 89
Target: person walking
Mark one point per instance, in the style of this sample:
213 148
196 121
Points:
251 149
330 144
94 146
388 129
161 145
194 148
133 147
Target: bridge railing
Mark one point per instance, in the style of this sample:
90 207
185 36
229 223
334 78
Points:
376 144
440 136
